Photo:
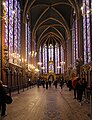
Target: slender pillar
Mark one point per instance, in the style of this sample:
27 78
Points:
80 36
22 51
0 39
23 40
59 58
2 47
47 60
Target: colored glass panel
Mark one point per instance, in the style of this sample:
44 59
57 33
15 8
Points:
86 31
12 30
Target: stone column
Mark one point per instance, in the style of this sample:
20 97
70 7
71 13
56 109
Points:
23 40
0 38
22 50
80 37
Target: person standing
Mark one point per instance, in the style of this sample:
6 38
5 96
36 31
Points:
69 85
74 82
80 88
2 99
55 83
46 84
49 81
61 83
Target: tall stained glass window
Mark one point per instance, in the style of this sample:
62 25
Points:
62 59
74 41
86 30
28 40
67 51
45 53
12 30
57 62
50 51
45 58
51 60
40 58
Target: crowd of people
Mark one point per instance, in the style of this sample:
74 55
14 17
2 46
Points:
48 83
78 86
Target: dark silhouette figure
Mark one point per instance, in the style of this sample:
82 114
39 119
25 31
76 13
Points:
38 83
69 85
84 84
43 83
80 89
55 83
49 83
46 84
61 83
2 99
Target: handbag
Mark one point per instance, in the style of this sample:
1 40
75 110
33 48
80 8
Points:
8 99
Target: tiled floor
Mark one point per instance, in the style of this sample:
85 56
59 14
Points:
43 104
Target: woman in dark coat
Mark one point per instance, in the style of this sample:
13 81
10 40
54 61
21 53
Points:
80 89
2 99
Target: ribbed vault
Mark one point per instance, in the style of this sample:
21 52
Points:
50 19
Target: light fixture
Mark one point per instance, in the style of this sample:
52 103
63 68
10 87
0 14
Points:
33 53
16 57
62 62
36 70
39 63
43 68
31 67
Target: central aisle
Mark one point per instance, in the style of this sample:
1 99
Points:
42 104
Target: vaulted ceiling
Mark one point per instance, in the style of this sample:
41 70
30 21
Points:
50 19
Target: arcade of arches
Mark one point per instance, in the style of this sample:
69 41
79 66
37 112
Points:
45 38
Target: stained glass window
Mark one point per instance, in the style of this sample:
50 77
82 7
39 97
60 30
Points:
86 31
53 59
67 51
18 30
12 30
28 40
76 34
6 22
40 54
57 59
40 59
62 59
58 62
45 58
73 44
50 52
35 52
74 41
